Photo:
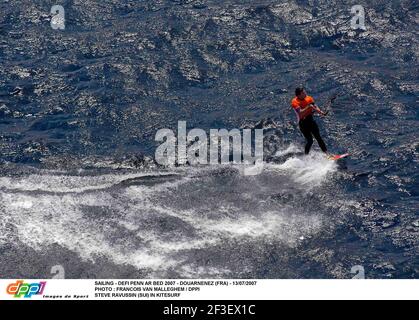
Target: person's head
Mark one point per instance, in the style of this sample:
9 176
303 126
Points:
300 92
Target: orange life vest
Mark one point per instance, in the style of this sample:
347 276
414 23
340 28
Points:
299 104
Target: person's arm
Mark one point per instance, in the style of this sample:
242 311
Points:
318 110
306 108
299 110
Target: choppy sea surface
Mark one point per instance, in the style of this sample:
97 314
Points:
80 107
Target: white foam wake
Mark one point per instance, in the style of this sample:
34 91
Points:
66 184
291 149
153 227
308 171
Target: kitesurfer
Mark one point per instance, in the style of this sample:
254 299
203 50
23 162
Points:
304 106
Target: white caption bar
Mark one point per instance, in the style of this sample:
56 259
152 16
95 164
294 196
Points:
209 289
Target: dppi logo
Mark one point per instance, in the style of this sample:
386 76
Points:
27 290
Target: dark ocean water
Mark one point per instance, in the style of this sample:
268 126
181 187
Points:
79 109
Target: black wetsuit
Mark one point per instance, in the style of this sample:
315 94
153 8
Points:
309 129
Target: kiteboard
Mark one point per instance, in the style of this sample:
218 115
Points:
335 157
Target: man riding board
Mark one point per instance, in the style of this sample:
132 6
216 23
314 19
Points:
304 106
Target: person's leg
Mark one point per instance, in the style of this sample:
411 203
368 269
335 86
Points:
306 131
316 133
